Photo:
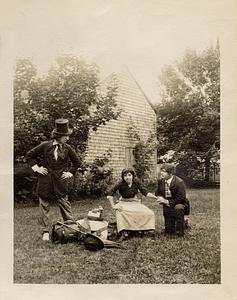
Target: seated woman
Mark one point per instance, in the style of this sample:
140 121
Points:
131 215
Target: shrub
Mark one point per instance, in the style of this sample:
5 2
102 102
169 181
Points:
24 183
96 178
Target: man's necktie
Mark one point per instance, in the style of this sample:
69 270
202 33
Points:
58 151
167 190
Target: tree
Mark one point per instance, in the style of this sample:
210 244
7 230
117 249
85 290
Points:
24 81
189 114
69 90
25 74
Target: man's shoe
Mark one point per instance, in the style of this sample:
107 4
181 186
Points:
45 236
187 225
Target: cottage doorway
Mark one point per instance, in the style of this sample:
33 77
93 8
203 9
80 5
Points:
129 156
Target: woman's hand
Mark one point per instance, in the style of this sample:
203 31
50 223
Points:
66 175
116 206
150 195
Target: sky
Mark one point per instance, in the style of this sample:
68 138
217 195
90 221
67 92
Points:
144 35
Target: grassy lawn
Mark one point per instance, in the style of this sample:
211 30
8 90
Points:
192 259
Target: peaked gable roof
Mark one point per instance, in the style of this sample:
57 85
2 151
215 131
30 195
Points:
140 88
116 75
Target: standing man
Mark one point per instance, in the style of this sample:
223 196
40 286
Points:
171 193
55 163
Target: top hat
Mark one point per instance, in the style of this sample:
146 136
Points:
93 242
62 127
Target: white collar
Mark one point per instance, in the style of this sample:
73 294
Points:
169 180
56 143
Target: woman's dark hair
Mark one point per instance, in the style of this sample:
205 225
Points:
126 171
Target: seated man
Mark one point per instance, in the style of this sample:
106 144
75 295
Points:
171 193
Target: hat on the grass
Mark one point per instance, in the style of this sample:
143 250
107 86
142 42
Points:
62 127
93 242
167 168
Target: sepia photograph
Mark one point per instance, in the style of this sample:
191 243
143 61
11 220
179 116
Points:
116 152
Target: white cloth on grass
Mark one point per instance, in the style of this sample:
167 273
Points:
94 226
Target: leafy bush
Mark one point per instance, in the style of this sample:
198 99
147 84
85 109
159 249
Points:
24 183
96 178
151 184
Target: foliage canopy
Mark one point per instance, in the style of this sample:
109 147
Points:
71 90
189 115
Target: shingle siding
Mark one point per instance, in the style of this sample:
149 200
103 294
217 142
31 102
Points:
114 135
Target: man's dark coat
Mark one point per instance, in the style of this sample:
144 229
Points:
52 185
177 189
